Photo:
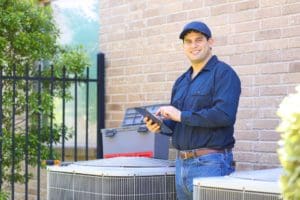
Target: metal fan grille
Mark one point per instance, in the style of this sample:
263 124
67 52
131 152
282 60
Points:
79 186
208 193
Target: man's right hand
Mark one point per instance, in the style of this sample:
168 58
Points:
153 127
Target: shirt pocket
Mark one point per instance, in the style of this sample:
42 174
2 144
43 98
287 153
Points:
201 99
178 98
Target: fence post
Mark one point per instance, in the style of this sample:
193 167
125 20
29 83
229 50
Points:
1 134
87 114
26 130
100 102
12 181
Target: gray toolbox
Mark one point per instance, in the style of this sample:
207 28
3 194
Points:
134 139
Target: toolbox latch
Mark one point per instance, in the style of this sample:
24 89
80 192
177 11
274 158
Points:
110 132
142 129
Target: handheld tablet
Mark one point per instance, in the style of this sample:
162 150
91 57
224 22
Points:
143 111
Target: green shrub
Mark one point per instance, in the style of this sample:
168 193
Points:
28 34
289 152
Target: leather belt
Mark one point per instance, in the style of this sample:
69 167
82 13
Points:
186 154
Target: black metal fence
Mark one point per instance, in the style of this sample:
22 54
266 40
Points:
34 149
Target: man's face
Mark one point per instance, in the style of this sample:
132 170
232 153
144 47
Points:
196 47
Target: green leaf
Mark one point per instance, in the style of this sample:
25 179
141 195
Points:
289 152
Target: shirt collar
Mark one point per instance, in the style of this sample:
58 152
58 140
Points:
208 67
211 63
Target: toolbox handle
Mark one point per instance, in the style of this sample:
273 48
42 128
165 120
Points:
110 132
142 129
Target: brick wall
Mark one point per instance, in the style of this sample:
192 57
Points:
259 38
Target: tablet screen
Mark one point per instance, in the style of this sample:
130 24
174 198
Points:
146 113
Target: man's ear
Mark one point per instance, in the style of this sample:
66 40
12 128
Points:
211 42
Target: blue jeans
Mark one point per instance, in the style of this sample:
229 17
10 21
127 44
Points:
215 164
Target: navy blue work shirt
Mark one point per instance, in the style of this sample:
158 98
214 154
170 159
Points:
208 105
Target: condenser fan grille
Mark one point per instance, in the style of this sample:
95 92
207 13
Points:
113 179
78 186
205 193
242 185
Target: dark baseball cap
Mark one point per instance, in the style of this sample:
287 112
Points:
196 26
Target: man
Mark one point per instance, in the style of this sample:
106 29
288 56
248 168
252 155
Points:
202 113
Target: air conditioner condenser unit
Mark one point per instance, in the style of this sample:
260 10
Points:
243 185
120 178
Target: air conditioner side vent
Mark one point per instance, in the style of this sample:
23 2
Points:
211 193
243 185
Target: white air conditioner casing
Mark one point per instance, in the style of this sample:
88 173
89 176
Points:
122 178
243 185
